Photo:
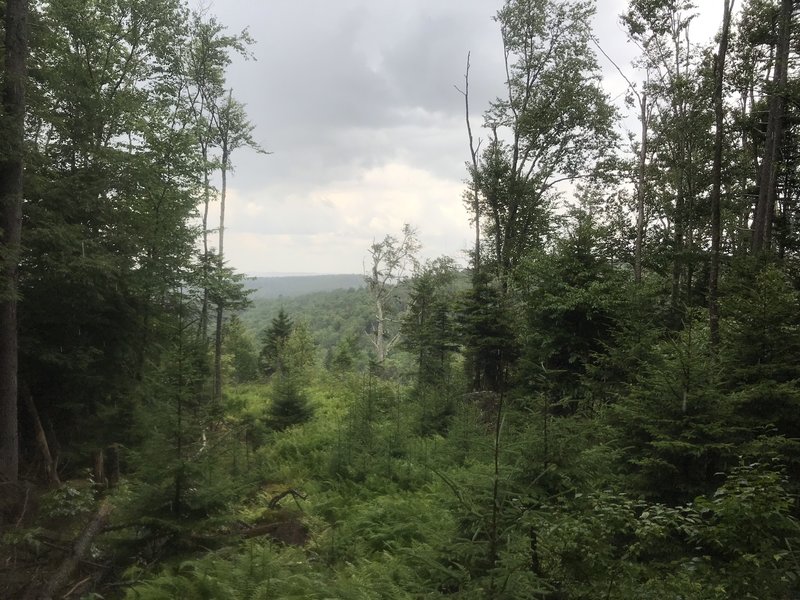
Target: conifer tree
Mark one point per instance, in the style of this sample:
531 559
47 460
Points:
274 338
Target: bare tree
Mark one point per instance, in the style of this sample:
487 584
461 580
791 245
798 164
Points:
392 260
473 196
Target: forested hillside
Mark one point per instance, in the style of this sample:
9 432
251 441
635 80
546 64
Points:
299 285
605 404
331 316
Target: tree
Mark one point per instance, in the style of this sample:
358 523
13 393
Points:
674 424
577 302
219 122
273 341
645 115
554 125
485 328
240 349
207 55
679 96
290 404
12 126
428 327
760 352
768 174
391 259
112 190
473 196
716 192
233 131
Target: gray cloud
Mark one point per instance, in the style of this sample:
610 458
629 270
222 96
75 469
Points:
347 91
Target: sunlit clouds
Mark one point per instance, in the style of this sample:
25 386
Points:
329 227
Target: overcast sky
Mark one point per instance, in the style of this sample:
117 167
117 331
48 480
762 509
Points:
356 100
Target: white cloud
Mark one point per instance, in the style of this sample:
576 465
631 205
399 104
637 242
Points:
328 228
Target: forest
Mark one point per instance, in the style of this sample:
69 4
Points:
603 404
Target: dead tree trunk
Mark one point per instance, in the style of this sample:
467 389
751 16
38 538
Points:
41 438
475 178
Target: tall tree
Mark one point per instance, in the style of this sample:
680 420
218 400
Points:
645 115
428 327
473 196
553 125
207 55
768 175
716 177
233 130
220 124
273 341
11 169
112 187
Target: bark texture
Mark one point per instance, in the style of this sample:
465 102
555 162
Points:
11 164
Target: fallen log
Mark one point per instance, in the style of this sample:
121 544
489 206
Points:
79 549
273 504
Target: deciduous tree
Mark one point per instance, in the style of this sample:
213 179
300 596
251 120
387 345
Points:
554 124
392 260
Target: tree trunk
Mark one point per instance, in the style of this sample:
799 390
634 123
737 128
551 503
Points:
79 550
225 131
716 176
678 254
473 152
640 191
16 49
41 437
768 177
221 258
206 202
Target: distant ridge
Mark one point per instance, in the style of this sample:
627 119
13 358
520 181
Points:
290 286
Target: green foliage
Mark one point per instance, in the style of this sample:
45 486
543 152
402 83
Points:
731 543
240 352
675 424
484 321
611 447
68 500
428 327
293 357
290 287
555 123
290 405
575 300
299 352
273 341
762 330
342 358
331 316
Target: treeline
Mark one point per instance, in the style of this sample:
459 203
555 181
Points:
330 316
128 120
